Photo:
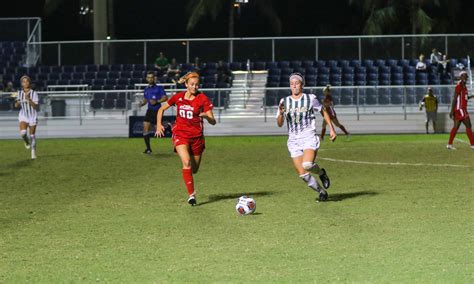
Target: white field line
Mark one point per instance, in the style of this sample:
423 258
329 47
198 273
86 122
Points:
460 140
393 163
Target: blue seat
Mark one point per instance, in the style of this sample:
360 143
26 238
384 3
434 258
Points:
274 71
80 68
272 65
371 96
92 68
384 69
372 70
308 64
347 83
348 77
284 64
331 63
409 69
403 62
384 82
372 77
320 63
397 69
384 77
323 70
235 66
311 71
295 64
379 62
54 76
335 71
397 82
89 75
360 83
397 76
115 67
348 70
346 96
343 63
286 71
300 70
355 63
391 62
273 78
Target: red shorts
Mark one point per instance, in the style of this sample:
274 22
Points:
196 145
461 114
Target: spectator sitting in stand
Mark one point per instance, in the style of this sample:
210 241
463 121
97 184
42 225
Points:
445 65
223 73
173 70
436 58
421 65
197 65
161 63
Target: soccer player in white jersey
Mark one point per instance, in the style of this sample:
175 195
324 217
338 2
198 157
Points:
299 109
27 101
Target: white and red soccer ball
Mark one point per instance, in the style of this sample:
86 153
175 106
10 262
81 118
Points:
245 205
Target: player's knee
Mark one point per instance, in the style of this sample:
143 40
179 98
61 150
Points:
23 132
186 164
307 165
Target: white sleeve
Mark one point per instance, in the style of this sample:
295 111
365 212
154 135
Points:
34 97
317 106
278 109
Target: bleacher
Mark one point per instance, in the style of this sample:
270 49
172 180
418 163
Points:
360 73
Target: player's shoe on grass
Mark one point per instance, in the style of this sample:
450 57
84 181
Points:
325 179
192 200
450 147
27 145
147 151
33 154
323 195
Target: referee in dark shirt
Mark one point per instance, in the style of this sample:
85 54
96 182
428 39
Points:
153 96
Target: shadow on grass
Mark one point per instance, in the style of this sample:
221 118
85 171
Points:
19 164
219 197
349 195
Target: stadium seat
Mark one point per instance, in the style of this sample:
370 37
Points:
403 62
343 63
311 71
295 64
307 64
272 65
259 65
331 63
320 63
379 63
284 64
355 63
235 66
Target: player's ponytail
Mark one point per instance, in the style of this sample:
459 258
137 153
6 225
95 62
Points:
327 89
188 76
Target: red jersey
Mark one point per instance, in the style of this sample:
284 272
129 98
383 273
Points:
188 123
460 95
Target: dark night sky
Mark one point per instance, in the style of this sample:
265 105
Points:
167 19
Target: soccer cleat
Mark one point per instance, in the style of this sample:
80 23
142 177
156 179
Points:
33 154
147 151
323 195
472 147
27 146
192 201
450 147
325 179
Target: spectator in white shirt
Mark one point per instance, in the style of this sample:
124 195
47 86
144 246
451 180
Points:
421 65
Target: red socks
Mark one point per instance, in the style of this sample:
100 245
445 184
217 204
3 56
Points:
451 135
188 181
470 135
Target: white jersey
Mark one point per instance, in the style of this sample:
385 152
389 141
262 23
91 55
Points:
300 114
27 113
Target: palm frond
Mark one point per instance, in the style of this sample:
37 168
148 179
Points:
201 8
379 20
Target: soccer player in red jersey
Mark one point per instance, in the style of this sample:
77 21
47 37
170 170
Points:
459 111
328 104
192 107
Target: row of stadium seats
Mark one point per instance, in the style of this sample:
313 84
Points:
371 96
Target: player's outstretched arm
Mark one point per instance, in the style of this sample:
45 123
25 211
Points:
281 110
160 130
209 116
163 99
332 132
453 103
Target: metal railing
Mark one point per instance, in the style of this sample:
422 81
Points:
143 51
356 100
27 30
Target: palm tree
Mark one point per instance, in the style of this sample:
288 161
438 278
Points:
201 8
398 16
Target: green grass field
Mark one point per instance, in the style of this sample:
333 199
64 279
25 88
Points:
92 210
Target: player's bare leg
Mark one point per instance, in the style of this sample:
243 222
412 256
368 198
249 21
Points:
467 123
309 164
306 176
184 155
323 129
195 163
452 134
24 134
33 141
338 124
146 136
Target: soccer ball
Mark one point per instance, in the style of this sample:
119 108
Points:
245 205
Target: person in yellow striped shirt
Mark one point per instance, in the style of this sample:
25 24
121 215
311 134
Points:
430 102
